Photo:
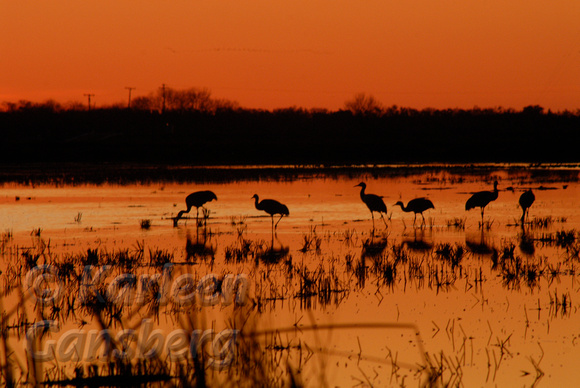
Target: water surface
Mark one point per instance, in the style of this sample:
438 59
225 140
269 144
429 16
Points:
502 313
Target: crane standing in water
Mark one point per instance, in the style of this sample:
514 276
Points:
271 206
526 200
482 199
197 199
417 205
373 202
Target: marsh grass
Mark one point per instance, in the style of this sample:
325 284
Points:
456 223
545 222
372 248
320 285
269 254
160 257
563 238
242 250
5 240
145 224
560 306
311 241
442 371
349 237
450 254
315 281
486 225
238 220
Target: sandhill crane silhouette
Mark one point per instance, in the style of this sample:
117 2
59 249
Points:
482 199
197 199
417 205
526 200
373 202
271 206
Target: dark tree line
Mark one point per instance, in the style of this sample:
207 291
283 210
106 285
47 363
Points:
210 132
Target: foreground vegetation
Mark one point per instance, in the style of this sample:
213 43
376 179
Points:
193 129
300 280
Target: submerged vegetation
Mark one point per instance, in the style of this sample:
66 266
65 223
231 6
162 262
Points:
313 277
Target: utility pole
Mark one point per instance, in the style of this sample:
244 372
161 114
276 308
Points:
129 88
89 95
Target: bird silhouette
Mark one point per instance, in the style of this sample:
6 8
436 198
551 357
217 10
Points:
526 200
197 199
271 206
373 202
417 205
482 199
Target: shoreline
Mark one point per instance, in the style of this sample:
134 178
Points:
130 173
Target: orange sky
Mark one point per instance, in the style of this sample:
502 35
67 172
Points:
311 53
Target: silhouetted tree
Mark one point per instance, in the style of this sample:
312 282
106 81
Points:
533 110
188 99
198 129
25 105
192 99
362 104
144 103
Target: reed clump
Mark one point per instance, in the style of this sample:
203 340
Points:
312 279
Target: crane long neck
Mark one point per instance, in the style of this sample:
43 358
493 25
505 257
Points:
256 202
403 207
362 192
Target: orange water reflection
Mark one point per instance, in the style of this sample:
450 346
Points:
491 305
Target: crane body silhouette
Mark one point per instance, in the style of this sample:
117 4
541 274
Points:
526 200
417 205
197 199
272 207
482 199
373 202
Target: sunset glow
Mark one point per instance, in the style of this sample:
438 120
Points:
314 54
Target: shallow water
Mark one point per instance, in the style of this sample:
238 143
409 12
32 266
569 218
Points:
478 325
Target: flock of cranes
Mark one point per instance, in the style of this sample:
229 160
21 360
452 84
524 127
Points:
373 202
480 199
200 198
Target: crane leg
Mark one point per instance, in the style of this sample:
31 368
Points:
383 218
423 218
415 219
176 219
528 214
278 220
